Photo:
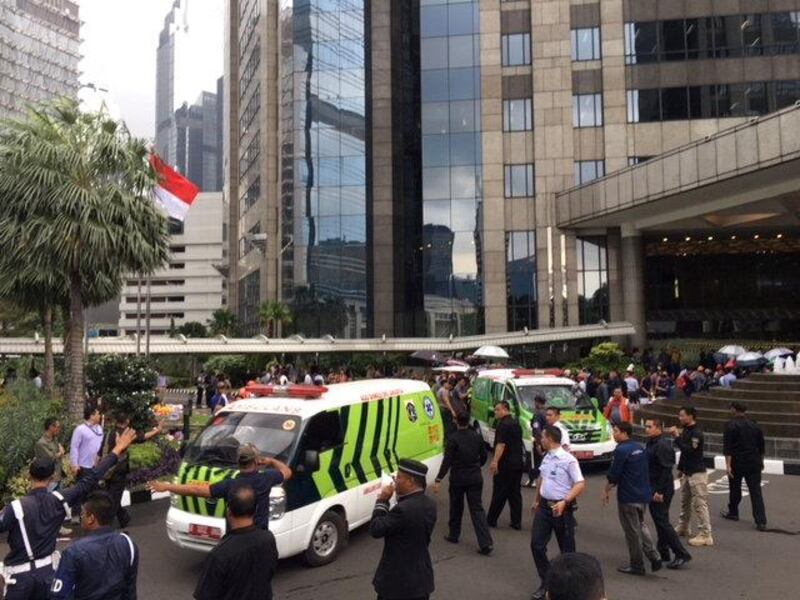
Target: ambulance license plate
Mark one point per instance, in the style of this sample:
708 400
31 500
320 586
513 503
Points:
583 455
205 532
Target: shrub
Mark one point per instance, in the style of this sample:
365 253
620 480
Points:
144 456
168 464
126 384
603 358
24 410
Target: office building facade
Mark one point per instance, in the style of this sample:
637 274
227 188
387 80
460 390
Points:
410 167
39 53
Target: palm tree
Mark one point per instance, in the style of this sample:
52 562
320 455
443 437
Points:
223 322
77 213
273 315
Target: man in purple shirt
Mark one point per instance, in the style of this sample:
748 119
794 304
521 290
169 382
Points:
84 448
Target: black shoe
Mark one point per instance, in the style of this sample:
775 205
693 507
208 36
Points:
631 570
492 525
679 562
726 514
665 558
655 565
516 527
451 539
539 594
486 551
761 526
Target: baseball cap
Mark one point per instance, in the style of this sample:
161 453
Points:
248 453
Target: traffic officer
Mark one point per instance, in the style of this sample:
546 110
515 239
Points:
560 483
694 479
33 523
102 564
743 446
465 455
405 571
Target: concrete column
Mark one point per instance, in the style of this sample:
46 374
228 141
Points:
632 270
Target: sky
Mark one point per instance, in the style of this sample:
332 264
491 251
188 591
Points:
119 49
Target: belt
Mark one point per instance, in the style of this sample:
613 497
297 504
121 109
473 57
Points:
551 502
29 566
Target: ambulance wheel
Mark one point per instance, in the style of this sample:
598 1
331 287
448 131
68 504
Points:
327 540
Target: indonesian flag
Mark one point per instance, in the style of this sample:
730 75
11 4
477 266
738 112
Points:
174 192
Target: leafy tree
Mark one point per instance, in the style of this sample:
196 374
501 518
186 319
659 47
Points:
77 213
223 322
193 329
274 315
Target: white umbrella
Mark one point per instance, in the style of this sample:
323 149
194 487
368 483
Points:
778 352
490 352
732 350
750 359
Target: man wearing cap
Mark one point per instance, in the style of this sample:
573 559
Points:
405 571
33 523
249 474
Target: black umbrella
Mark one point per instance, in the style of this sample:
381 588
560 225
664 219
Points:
429 356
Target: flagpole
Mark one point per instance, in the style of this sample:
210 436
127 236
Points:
147 321
139 315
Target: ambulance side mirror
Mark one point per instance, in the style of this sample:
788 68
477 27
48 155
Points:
311 461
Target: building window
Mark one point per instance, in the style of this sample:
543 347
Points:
518 115
586 44
587 110
635 160
516 49
587 170
521 280
593 301
519 181
174 226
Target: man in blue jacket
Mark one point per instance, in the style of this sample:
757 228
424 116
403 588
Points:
629 473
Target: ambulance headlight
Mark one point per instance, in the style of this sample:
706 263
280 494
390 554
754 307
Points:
277 503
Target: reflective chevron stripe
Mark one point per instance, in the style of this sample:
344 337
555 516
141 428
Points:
359 448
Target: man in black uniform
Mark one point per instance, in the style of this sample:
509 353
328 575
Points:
743 446
103 564
465 454
405 571
117 478
661 460
33 523
506 467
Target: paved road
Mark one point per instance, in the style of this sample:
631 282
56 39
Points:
745 564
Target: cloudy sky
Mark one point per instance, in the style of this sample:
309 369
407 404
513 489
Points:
120 41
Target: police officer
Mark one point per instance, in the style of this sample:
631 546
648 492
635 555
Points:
405 571
506 467
560 483
33 523
694 479
743 446
101 565
660 461
117 478
463 458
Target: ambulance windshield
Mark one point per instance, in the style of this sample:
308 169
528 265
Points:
218 444
558 396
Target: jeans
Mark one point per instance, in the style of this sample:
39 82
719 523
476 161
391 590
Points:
694 503
668 539
476 513
637 535
506 488
545 523
753 480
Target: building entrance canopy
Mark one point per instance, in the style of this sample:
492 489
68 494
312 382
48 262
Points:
300 345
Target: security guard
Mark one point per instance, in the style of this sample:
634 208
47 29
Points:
560 483
506 467
33 523
743 446
102 565
405 571
464 456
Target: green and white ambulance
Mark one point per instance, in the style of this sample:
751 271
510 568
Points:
589 431
340 442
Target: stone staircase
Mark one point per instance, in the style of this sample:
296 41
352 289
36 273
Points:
772 400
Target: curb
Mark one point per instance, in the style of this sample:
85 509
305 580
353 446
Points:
141 496
771 466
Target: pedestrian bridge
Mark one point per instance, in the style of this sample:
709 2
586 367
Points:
300 345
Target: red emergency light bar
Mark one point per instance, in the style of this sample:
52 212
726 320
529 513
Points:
287 391
537 372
